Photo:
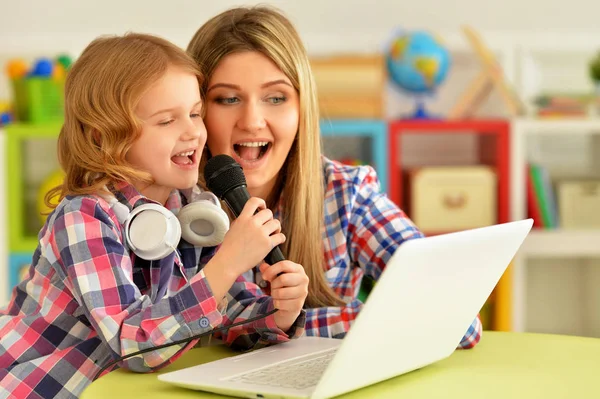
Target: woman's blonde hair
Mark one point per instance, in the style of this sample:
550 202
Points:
266 30
102 90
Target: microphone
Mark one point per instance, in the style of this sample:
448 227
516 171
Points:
225 178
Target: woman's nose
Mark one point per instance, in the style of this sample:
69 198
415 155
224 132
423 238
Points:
252 119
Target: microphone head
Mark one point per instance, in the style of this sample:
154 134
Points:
222 173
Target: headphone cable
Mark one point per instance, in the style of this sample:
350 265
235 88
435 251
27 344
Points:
181 341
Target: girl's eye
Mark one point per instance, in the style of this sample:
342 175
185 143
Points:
227 100
195 115
166 123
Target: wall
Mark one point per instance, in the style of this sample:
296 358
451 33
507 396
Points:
33 28
36 27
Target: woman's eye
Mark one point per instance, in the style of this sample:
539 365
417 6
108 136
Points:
195 115
166 123
227 100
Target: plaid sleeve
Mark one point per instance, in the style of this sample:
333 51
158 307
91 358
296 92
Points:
376 225
246 300
472 336
87 246
334 321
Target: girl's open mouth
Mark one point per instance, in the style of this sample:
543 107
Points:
184 158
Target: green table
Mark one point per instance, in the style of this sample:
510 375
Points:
503 365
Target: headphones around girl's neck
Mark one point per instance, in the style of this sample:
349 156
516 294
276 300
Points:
152 231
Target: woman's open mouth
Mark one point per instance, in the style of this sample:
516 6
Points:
250 152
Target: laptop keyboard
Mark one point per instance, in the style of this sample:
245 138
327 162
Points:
297 373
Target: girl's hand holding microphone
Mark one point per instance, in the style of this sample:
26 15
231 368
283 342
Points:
251 236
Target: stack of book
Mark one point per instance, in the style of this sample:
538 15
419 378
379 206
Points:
541 198
564 105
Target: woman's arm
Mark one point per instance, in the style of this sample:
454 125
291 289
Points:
376 227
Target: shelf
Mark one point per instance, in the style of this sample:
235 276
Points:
3 221
558 126
374 129
470 126
562 243
22 228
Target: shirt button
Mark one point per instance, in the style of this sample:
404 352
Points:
204 322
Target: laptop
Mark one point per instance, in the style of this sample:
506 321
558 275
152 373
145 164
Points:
427 297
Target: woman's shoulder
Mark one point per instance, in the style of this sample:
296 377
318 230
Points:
336 173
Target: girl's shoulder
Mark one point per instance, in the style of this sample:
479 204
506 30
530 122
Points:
90 205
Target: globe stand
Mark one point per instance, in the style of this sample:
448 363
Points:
421 113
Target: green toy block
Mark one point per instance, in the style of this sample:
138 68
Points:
38 99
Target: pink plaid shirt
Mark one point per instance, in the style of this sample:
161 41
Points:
88 299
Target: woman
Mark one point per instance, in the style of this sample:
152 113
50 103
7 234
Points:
261 109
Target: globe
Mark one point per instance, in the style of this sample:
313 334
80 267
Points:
417 63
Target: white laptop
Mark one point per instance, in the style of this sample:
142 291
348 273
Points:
417 313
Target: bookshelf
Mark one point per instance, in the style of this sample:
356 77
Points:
562 243
557 126
557 270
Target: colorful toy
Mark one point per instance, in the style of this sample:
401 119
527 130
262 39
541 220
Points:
16 69
5 114
65 61
54 179
38 91
5 118
43 68
59 73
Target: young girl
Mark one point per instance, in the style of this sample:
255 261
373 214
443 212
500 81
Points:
133 135
261 109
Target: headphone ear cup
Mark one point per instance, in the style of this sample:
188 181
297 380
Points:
152 231
203 223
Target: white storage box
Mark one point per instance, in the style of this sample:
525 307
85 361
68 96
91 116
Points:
444 199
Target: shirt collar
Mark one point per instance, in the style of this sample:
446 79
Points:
127 194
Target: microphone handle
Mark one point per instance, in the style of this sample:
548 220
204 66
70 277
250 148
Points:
274 256
235 200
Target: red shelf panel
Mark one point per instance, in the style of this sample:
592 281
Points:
496 128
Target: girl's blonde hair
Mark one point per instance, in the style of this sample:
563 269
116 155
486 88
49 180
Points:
102 90
265 30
